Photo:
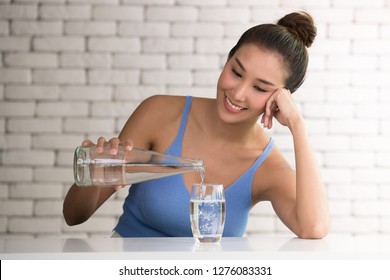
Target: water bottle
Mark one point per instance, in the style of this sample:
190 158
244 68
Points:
91 168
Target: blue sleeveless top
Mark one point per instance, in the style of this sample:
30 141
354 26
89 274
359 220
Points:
160 207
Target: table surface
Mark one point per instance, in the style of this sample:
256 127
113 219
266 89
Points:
266 247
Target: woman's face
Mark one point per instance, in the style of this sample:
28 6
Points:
246 82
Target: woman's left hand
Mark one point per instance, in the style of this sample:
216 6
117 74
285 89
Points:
281 106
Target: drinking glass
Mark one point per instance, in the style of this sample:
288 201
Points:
207 212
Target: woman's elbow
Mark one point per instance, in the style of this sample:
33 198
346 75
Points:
69 221
317 231
72 220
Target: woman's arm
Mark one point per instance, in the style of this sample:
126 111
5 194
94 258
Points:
81 203
299 197
312 214
143 128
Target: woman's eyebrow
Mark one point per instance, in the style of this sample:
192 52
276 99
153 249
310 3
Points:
243 69
239 64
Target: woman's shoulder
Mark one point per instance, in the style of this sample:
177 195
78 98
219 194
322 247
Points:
171 106
161 105
153 114
274 174
163 100
172 100
275 162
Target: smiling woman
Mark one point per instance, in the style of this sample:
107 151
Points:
288 38
245 85
266 65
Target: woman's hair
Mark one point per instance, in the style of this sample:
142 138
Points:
290 38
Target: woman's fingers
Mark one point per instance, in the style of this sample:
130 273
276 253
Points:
87 143
128 145
114 143
100 144
270 108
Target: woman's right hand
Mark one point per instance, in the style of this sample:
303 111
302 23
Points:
113 142
80 203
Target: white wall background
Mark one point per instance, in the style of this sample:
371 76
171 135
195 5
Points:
72 69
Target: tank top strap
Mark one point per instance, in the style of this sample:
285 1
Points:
176 147
264 155
184 118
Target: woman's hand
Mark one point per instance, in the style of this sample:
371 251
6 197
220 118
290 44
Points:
113 142
281 106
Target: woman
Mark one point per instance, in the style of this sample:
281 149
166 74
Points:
265 67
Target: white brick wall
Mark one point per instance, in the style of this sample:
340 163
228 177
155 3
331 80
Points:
78 68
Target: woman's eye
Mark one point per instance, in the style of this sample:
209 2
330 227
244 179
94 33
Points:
259 89
236 73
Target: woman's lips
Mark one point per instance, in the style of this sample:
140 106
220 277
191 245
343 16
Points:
232 107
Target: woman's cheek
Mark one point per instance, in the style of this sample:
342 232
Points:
225 79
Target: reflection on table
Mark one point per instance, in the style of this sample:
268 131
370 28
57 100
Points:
267 247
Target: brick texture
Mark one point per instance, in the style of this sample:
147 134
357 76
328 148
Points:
75 69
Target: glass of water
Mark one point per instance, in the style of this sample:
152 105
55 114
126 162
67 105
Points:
207 211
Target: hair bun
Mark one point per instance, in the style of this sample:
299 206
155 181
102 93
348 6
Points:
301 25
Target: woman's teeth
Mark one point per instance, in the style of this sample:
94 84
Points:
234 107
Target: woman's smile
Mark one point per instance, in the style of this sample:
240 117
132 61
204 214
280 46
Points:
231 107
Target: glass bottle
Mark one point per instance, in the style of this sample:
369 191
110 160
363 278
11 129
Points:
91 168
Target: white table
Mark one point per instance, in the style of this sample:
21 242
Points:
267 247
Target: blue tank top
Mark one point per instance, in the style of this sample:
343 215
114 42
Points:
160 207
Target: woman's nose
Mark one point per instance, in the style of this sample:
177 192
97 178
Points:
240 92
